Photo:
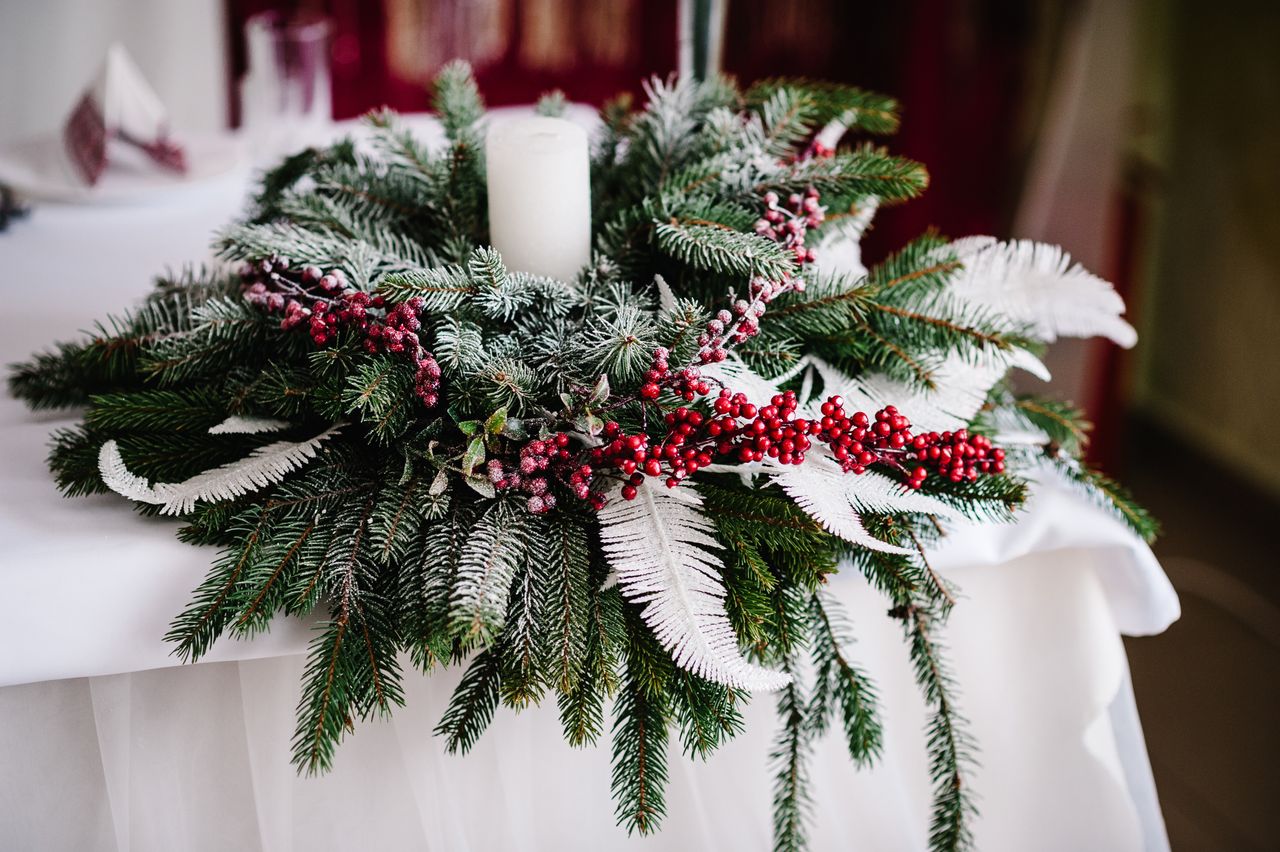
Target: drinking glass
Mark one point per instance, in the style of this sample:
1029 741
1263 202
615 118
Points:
286 95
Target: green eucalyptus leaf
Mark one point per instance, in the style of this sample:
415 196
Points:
601 391
496 422
474 455
482 486
589 423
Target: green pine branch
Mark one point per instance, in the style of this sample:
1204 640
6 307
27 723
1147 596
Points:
473 703
791 799
490 557
582 707
949 744
565 638
640 743
717 248
707 713
838 683
852 175
1108 494
854 107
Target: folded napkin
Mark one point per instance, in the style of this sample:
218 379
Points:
119 106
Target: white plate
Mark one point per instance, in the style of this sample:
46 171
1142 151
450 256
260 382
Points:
38 169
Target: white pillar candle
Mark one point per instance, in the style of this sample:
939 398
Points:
540 196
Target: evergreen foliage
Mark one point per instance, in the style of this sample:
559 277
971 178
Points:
791 801
839 685
328 483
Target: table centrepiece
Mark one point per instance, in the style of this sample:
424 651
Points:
594 419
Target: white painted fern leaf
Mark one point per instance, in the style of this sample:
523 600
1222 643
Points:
237 425
839 248
662 549
117 476
837 499
666 296
1010 430
1038 285
960 388
264 466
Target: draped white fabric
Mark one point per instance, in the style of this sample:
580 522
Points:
104 744
197 757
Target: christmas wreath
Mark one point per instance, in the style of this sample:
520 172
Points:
625 486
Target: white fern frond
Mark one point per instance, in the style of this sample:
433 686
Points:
1008 429
1024 360
867 492
839 248
662 549
1038 285
1020 438
264 466
666 296
116 475
837 499
238 425
960 389
827 506
968 246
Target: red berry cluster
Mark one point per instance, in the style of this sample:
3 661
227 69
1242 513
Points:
540 462
772 430
816 150
742 321
858 441
957 455
735 430
852 438
426 380
325 318
785 225
636 458
269 284
398 332
325 303
686 384
273 286
788 224
720 331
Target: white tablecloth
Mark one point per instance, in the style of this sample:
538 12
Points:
104 744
